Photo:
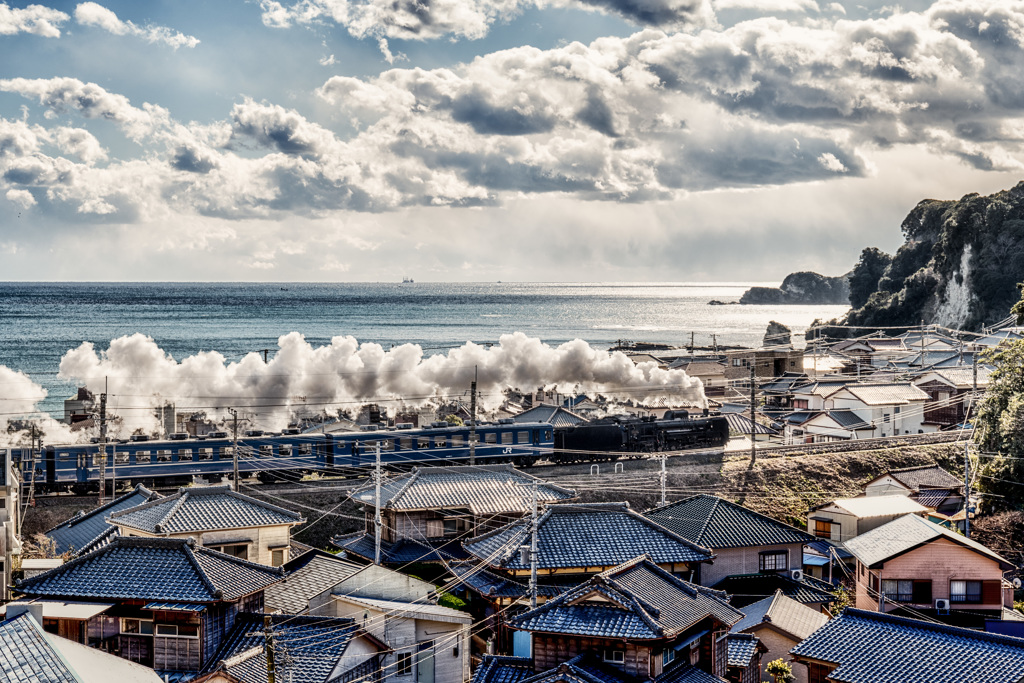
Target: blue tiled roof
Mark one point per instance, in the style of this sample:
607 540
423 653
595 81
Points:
742 647
687 674
495 586
175 607
25 654
784 614
714 522
494 669
202 509
749 588
585 535
402 552
86 531
638 601
307 648
870 647
157 570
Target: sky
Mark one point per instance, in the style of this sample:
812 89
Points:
481 140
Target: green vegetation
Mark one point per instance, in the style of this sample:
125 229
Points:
449 600
454 420
1000 430
780 671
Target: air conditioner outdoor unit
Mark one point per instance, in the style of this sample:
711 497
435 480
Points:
942 605
797 574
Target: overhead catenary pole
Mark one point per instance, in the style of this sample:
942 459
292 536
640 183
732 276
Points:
376 508
472 418
662 477
268 636
753 422
533 550
103 443
234 451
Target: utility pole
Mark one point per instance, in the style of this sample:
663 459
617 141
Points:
103 444
714 341
664 457
268 636
533 550
691 342
234 451
376 513
974 365
32 475
922 343
753 422
472 417
967 490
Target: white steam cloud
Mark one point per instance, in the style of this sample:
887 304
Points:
19 398
300 377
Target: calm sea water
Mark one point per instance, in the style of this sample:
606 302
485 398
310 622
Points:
39 322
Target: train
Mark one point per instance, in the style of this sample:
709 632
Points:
181 457
627 434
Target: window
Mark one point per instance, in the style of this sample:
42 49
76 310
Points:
422 442
822 528
616 656
140 627
667 657
305 449
440 442
773 561
522 437
226 452
435 528
387 444
178 630
277 557
239 550
896 410
506 437
886 417
736 362
120 458
451 527
205 453
266 451
800 403
491 437
404 663
142 456
898 590
458 440
547 435
185 454
163 456
64 455
406 443
965 591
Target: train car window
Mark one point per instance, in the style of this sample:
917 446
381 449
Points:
368 447
422 442
458 441
387 445
406 443
440 442
305 449
286 450
522 437
226 452
96 459
491 437
184 454
120 458
64 455
205 454
142 456
547 435
163 456
506 437
267 451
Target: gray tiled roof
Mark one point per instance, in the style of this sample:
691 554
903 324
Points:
586 535
152 569
687 674
740 423
486 489
312 647
556 416
85 531
933 498
870 647
202 509
849 419
321 572
26 655
639 601
783 613
928 476
495 669
492 585
905 533
888 393
749 588
714 522
403 551
742 647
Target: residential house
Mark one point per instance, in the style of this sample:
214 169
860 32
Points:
844 518
746 653
868 647
779 623
306 650
556 416
79 407
308 581
767 363
87 531
827 560
778 394
813 396
833 425
637 621
28 654
166 603
217 518
917 566
10 531
951 393
740 425
745 589
929 485
794 429
743 541
894 407
428 512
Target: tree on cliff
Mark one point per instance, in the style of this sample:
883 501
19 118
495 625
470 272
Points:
1018 308
1000 429
866 274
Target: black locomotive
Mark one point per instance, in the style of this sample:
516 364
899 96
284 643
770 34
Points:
626 435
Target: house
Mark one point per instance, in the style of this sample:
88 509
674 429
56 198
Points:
767 363
913 563
554 415
427 512
744 659
844 518
575 541
894 407
743 541
929 485
869 647
87 531
10 528
778 394
30 654
745 589
166 603
217 518
308 582
740 425
812 396
833 425
636 620
951 393
306 650
779 623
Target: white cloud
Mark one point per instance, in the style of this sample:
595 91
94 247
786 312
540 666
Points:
830 163
35 19
93 14
22 198
328 61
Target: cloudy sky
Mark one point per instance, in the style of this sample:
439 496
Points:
364 140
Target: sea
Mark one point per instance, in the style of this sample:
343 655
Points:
40 322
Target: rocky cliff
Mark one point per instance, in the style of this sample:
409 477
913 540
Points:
801 288
958 267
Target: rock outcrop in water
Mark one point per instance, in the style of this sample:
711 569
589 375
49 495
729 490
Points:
777 334
801 288
958 267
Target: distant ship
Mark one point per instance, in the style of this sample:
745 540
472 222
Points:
407 280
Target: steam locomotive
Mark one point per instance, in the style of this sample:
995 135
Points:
619 434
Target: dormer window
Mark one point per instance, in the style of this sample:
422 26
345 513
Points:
614 656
